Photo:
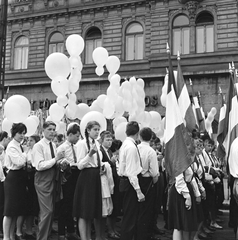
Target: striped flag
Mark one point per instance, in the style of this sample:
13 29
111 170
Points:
199 115
177 154
221 152
184 100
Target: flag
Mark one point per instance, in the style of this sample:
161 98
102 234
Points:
184 100
221 152
177 154
199 116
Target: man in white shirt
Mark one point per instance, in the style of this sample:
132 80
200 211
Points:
130 168
44 160
65 219
150 173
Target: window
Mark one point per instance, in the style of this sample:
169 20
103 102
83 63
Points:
21 50
56 43
93 40
134 42
181 35
204 33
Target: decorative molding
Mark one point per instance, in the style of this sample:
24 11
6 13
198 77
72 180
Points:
125 20
31 20
192 7
55 19
66 16
46 3
42 20
55 3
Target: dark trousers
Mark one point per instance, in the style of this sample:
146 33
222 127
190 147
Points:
65 219
210 205
1 203
130 208
145 214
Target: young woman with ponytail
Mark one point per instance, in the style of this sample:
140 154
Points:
88 197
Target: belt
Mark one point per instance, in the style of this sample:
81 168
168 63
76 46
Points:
74 168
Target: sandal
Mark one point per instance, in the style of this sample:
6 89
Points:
113 235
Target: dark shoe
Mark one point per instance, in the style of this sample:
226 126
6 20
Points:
30 236
62 237
215 225
203 236
231 225
219 212
156 230
20 237
72 236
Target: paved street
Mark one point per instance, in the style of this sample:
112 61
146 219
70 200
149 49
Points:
225 234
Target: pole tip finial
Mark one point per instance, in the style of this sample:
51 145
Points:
178 56
190 82
167 48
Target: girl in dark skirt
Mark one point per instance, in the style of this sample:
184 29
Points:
88 197
15 183
182 209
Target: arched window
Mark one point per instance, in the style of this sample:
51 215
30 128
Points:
21 50
93 40
134 42
204 33
181 35
56 43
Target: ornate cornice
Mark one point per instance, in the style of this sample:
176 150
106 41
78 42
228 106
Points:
191 6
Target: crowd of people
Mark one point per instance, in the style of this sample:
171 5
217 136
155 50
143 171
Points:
92 179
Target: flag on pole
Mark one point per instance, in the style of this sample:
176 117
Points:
221 152
177 154
200 118
184 100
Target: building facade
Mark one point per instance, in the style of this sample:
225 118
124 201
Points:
205 32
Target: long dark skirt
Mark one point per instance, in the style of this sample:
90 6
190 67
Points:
178 216
88 196
15 193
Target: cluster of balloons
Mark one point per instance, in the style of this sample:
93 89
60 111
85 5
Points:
209 120
66 74
17 109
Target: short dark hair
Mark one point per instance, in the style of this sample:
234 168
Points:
105 134
205 136
196 134
35 137
60 137
146 134
74 129
3 135
116 144
132 128
18 128
47 124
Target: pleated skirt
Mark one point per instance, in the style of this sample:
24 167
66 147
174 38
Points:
88 196
178 216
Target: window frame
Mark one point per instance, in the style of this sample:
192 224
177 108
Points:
94 41
26 51
56 43
181 31
135 35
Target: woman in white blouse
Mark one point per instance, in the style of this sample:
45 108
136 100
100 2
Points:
15 183
88 197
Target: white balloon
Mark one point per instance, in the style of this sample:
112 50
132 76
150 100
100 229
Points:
57 65
31 126
17 108
59 86
71 112
141 82
116 121
100 56
100 100
109 108
7 126
93 116
56 112
73 86
36 119
83 109
62 100
95 107
74 45
113 64
61 127
155 119
120 132
99 71
75 62
72 97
